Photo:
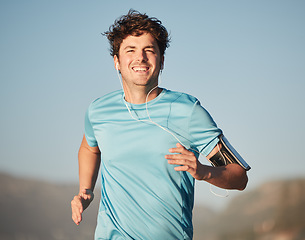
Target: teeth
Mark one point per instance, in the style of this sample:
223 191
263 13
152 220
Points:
140 69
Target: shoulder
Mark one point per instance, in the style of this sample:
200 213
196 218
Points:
187 104
181 104
107 99
181 97
101 105
182 101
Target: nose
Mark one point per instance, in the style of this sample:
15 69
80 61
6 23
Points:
142 57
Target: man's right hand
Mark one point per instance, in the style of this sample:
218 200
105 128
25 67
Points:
79 203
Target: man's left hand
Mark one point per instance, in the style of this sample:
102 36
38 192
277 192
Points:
187 161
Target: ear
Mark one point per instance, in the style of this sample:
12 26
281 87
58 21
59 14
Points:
116 62
162 63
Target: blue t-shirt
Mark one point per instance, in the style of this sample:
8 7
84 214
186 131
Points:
142 196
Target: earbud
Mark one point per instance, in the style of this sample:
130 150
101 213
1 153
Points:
117 66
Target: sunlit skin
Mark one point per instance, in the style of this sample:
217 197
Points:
139 62
231 176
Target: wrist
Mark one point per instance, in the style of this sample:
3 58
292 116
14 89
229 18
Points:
90 192
204 172
86 191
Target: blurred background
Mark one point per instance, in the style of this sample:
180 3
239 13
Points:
244 60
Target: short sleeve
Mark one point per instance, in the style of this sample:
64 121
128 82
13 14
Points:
89 133
203 130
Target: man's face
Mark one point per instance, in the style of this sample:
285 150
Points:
139 60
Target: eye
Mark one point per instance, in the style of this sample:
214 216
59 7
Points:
150 50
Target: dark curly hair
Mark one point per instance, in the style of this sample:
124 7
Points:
135 23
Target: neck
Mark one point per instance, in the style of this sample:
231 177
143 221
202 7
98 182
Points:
139 96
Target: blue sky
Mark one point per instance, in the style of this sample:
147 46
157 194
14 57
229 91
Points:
244 60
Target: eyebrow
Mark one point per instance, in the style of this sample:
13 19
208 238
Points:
150 46
133 47
129 47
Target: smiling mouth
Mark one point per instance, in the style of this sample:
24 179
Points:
140 69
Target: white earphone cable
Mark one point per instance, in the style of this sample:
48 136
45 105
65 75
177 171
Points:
163 128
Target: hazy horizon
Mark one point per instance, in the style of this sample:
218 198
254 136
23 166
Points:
244 60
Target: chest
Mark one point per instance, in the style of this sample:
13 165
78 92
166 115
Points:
138 137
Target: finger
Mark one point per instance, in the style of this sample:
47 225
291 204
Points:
90 193
77 210
86 194
183 165
180 157
179 145
76 218
86 197
182 168
178 162
82 192
180 149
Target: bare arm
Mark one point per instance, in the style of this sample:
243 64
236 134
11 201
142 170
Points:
231 176
89 159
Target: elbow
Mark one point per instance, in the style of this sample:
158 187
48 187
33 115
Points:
242 180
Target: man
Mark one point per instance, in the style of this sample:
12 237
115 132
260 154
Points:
149 139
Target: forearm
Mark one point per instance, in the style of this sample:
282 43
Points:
89 159
89 162
231 176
